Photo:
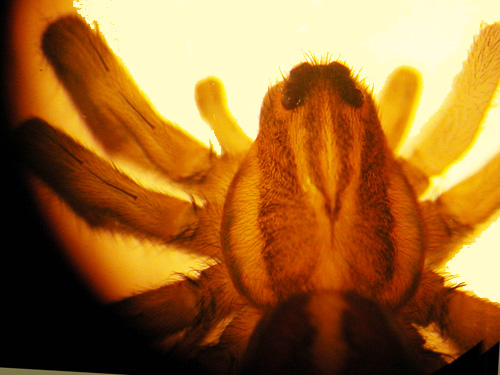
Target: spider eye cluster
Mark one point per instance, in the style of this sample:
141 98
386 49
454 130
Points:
305 76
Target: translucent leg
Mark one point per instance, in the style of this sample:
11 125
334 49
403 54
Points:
451 130
398 101
97 191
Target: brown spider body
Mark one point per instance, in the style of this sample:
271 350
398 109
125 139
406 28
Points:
323 171
317 230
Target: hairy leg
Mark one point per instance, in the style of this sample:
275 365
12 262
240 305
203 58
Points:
113 105
398 101
211 100
97 191
466 319
197 305
456 213
451 130
453 215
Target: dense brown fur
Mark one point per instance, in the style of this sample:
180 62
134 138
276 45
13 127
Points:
321 170
317 210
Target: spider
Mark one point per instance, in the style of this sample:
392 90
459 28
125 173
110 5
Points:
325 253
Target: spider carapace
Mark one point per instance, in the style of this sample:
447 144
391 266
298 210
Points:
325 252
333 201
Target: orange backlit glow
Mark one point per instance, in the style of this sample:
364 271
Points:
168 47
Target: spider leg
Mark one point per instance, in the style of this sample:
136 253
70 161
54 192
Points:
471 320
226 355
476 198
452 129
211 100
127 126
446 136
113 105
398 101
465 318
97 191
197 305
459 211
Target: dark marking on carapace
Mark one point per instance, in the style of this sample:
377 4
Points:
374 201
278 196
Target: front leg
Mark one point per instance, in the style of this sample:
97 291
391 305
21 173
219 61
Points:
452 129
99 192
114 107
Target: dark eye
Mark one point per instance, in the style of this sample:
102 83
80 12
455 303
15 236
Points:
293 96
340 77
352 95
296 86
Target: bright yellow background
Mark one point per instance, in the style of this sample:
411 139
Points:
169 45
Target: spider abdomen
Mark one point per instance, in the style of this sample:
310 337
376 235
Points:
329 333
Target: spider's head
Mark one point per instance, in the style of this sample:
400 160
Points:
321 119
312 205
